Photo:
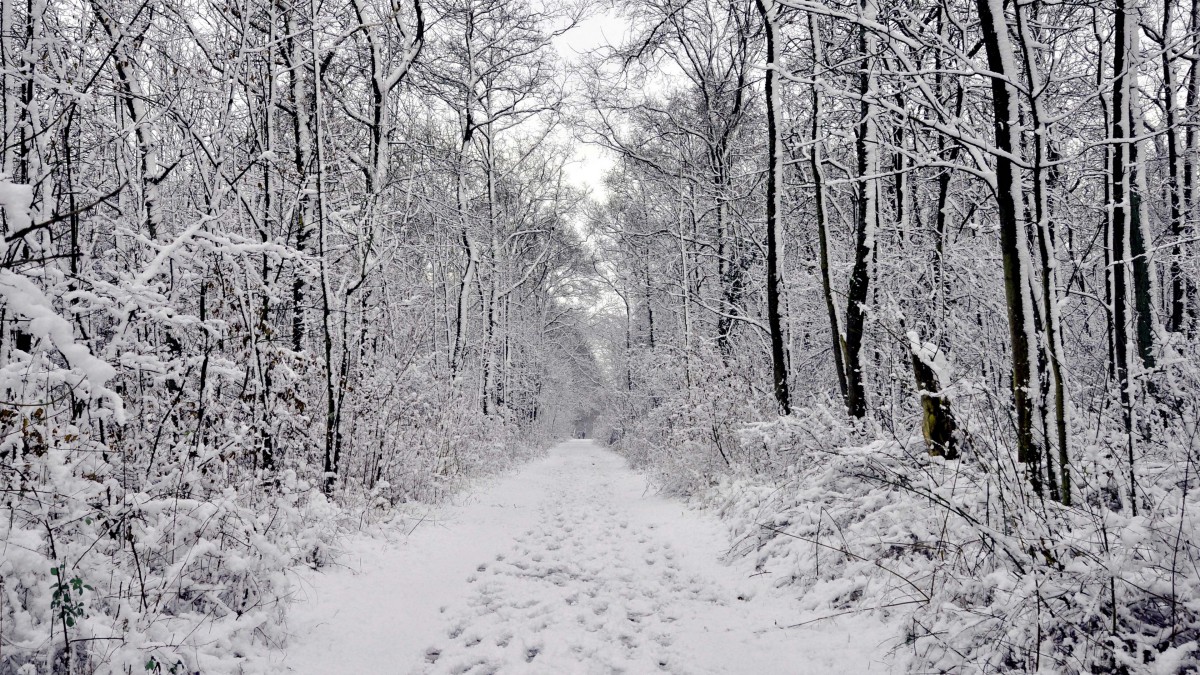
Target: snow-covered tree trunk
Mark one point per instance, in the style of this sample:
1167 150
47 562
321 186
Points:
1014 245
816 165
769 13
867 214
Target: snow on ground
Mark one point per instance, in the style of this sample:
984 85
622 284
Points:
570 566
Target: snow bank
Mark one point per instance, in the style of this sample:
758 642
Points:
972 579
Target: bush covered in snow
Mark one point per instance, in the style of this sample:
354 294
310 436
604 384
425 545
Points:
973 571
124 557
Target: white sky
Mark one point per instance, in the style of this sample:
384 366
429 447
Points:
590 162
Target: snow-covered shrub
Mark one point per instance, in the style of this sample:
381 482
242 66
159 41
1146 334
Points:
159 479
974 576
687 440
135 537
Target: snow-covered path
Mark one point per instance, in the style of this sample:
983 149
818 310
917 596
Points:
569 566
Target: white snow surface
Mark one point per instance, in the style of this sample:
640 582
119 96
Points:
572 565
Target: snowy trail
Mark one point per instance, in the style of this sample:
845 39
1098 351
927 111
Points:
570 566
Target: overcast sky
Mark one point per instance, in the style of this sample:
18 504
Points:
590 162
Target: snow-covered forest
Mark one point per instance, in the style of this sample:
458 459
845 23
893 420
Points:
903 292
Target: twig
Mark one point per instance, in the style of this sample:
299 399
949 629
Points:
852 555
854 611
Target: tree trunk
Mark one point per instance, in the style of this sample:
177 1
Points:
1191 155
1014 247
332 410
1177 298
938 424
818 173
769 11
1121 208
302 139
866 152
1043 179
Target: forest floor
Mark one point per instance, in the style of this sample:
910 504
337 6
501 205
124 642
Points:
570 565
